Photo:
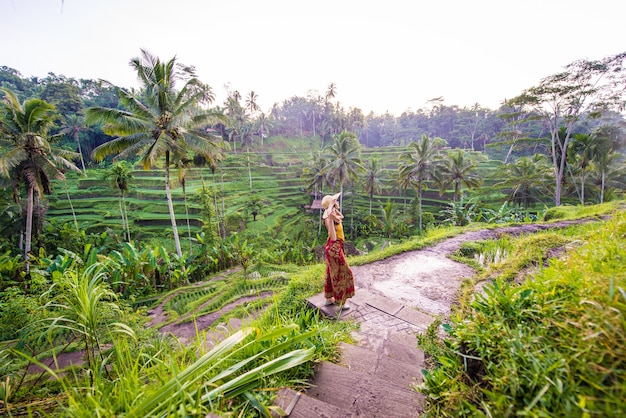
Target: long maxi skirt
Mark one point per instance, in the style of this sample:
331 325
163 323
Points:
339 282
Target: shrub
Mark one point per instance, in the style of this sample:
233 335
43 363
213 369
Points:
559 212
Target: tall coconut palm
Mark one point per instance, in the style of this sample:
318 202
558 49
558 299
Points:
344 159
120 175
74 125
27 155
212 160
158 122
314 177
418 164
263 125
457 169
183 164
251 103
372 181
331 92
400 183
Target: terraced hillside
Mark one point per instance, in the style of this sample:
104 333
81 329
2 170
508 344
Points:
272 173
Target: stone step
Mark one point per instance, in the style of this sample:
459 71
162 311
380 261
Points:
361 360
399 346
418 319
299 405
361 394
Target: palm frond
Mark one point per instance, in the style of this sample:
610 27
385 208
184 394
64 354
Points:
121 144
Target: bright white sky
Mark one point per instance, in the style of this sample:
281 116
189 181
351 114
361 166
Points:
386 55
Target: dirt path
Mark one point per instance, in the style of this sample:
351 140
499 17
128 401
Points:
427 279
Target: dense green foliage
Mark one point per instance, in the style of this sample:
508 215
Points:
552 346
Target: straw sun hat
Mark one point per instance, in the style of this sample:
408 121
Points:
328 203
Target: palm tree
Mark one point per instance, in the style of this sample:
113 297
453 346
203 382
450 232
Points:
457 169
26 154
314 177
371 182
400 183
120 174
331 92
212 159
160 122
251 103
603 154
74 125
609 172
236 117
418 164
344 159
262 126
183 164
389 215
582 151
526 178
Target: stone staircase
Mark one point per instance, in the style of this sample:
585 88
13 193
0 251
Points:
376 376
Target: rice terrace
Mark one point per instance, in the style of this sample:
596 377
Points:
162 254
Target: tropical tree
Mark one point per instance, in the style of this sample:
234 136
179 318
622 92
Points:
344 159
183 164
388 213
314 177
264 125
74 125
582 153
372 182
212 160
418 164
251 103
607 162
160 121
400 183
120 174
331 92
236 117
609 173
27 155
457 169
583 90
526 179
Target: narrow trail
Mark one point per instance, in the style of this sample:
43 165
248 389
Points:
427 279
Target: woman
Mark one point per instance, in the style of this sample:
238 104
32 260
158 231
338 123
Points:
339 284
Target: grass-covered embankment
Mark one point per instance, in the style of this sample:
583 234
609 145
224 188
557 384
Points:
555 345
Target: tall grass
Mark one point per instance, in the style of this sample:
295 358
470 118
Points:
162 379
553 346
